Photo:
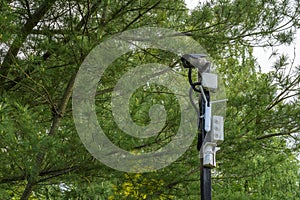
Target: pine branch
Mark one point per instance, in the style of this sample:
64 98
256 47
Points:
20 39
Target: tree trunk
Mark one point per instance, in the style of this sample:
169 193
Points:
27 192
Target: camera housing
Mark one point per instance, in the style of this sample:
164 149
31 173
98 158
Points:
197 61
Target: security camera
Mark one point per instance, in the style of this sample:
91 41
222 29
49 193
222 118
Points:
197 61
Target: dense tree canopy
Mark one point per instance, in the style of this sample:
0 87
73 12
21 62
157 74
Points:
42 45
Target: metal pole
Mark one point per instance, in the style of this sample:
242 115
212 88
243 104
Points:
205 172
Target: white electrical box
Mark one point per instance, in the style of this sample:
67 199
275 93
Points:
209 155
217 130
209 81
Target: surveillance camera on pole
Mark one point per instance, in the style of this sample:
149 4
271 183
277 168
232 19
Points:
210 132
197 61
209 81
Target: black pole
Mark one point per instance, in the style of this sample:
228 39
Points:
205 172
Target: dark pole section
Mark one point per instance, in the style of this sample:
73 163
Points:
205 172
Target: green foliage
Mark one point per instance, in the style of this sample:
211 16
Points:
137 187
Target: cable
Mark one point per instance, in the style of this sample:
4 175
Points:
199 117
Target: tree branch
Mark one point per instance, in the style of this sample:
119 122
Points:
20 39
48 173
63 105
275 135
